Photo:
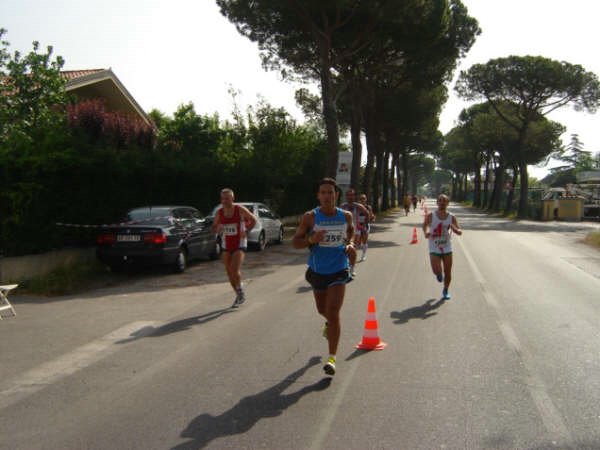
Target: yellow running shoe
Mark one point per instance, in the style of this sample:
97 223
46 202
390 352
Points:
329 367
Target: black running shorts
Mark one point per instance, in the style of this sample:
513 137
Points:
321 282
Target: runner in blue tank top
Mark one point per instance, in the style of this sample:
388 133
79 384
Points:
328 232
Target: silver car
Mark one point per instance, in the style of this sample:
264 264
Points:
267 229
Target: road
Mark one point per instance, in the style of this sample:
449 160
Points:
162 362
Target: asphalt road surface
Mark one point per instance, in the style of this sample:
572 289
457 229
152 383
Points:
160 361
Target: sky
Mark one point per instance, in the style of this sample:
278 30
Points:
169 53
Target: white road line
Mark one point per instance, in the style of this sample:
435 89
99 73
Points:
550 415
48 373
331 412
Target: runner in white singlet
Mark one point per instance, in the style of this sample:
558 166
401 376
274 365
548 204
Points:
365 222
356 209
438 227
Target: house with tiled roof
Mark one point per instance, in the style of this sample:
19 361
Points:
104 84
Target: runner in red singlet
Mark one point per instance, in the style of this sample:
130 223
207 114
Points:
233 222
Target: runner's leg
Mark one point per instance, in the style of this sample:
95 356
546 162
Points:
352 258
333 304
235 267
226 258
364 237
321 302
447 261
436 265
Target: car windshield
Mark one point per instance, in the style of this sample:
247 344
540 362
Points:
151 216
249 206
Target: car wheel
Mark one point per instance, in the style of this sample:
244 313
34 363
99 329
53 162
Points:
217 252
279 239
181 261
262 241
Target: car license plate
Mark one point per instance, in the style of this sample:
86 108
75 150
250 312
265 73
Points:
129 238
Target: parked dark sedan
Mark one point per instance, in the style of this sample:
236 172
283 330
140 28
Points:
153 235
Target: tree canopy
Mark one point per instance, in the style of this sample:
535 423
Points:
528 87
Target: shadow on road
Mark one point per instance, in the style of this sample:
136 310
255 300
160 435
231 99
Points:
249 410
425 311
356 353
374 243
176 326
303 289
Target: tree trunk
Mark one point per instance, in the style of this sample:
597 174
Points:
378 179
355 131
522 213
404 173
498 183
398 179
371 138
385 198
486 185
393 178
511 192
453 189
523 192
477 187
368 178
330 114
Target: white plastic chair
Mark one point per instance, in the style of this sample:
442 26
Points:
4 303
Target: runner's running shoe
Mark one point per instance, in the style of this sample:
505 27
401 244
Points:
329 367
445 294
239 299
439 277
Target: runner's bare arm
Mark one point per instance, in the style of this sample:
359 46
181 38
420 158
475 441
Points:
349 229
216 225
426 224
249 218
301 238
371 214
363 210
455 227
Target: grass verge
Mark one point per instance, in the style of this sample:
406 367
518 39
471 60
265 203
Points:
593 239
65 280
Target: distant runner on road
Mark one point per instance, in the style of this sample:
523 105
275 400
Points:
233 222
437 228
357 209
366 222
328 231
406 204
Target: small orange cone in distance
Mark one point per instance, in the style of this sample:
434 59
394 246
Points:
370 340
415 239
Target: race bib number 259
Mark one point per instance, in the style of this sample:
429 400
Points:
334 237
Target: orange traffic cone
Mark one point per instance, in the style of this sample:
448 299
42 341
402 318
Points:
370 340
415 239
